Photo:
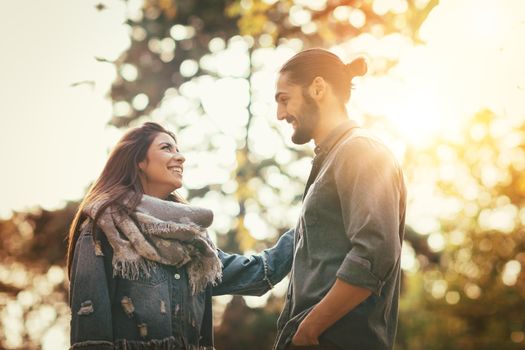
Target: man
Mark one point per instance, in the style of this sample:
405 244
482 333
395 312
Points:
345 279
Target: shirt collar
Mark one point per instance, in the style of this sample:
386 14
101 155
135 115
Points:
335 135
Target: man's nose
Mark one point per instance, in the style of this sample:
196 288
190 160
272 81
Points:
281 114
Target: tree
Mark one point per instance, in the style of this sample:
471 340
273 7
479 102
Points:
472 298
33 284
178 47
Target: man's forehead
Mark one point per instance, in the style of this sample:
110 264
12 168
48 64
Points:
283 85
283 80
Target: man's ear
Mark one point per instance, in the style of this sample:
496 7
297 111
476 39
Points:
317 88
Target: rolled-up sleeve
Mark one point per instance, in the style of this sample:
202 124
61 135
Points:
371 193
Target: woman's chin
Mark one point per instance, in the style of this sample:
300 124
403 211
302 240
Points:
176 185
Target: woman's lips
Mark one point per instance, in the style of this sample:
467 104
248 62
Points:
176 169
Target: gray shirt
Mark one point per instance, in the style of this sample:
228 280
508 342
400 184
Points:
351 227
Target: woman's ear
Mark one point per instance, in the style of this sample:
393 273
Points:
142 165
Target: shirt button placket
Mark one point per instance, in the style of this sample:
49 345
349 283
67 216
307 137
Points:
177 304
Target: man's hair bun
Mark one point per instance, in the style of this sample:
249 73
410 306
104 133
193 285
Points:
357 67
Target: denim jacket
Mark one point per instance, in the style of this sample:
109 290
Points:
159 312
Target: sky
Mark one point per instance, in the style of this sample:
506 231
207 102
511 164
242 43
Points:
54 136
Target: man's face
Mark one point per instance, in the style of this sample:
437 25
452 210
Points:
297 107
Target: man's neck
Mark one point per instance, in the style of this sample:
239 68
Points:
327 124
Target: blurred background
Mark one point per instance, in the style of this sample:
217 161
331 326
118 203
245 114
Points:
445 90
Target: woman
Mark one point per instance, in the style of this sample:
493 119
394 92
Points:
142 267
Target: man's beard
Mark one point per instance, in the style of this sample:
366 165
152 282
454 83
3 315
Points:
307 120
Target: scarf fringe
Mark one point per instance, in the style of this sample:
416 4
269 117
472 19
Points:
204 271
133 269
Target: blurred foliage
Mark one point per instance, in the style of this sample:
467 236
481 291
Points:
164 35
326 23
473 298
168 33
172 45
465 293
33 287
242 327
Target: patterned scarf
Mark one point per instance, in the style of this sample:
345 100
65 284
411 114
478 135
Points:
168 233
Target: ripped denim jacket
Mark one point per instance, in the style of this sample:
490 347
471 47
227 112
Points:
159 312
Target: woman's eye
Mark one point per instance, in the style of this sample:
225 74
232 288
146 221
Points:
167 147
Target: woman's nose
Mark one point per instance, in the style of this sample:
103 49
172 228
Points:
179 157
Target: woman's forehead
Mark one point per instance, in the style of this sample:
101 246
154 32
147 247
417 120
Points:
164 138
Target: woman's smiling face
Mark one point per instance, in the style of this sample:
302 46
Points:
162 169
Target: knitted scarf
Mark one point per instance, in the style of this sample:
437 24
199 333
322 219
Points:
160 231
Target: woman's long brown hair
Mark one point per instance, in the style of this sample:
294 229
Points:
119 176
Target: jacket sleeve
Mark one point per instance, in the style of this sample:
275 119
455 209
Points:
372 196
91 319
256 274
